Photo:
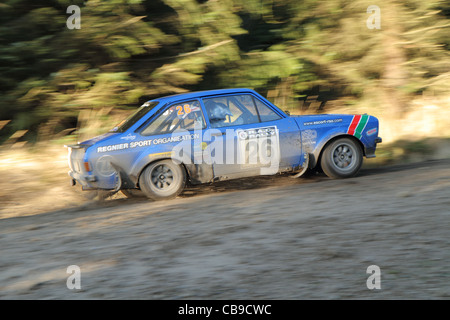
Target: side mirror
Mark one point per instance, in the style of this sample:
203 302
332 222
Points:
287 112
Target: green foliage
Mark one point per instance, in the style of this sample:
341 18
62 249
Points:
128 51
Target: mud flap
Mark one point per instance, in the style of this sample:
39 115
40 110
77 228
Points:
305 167
118 183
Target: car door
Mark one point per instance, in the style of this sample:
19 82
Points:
175 133
248 137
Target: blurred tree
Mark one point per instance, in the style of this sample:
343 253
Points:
128 51
408 55
206 30
52 72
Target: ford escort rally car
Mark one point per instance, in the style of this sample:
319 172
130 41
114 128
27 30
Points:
213 135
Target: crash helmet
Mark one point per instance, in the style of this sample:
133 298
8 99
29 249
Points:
217 112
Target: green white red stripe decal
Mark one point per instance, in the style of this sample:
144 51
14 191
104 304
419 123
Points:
357 125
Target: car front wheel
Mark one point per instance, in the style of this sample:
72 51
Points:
162 180
342 158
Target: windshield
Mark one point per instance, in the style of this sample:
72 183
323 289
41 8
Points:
124 125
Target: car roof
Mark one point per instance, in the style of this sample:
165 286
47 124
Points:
198 94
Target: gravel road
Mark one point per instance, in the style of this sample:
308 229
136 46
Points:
265 238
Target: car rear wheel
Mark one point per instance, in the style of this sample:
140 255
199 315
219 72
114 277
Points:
342 158
162 180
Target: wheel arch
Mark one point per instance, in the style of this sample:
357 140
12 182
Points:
319 152
156 160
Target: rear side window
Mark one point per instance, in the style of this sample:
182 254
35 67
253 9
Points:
178 117
233 110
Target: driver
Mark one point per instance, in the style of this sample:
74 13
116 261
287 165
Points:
217 113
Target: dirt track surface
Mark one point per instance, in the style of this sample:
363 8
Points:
265 238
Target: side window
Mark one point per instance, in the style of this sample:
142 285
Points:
231 111
178 117
265 113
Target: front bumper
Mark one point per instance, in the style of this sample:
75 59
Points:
370 152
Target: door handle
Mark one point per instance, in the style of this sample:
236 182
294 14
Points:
218 134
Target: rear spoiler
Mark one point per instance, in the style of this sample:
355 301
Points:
78 146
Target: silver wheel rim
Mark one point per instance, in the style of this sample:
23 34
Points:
344 157
162 177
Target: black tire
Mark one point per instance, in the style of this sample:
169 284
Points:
162 180
133 193
342 158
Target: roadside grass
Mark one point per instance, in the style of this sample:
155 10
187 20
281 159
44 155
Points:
34 179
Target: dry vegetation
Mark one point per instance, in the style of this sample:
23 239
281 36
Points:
35 180
427 118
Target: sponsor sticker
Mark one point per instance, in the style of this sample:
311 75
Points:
371 131
258 146
319 122
309 140
128 137
147 143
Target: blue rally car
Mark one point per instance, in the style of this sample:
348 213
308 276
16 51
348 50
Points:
216 135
